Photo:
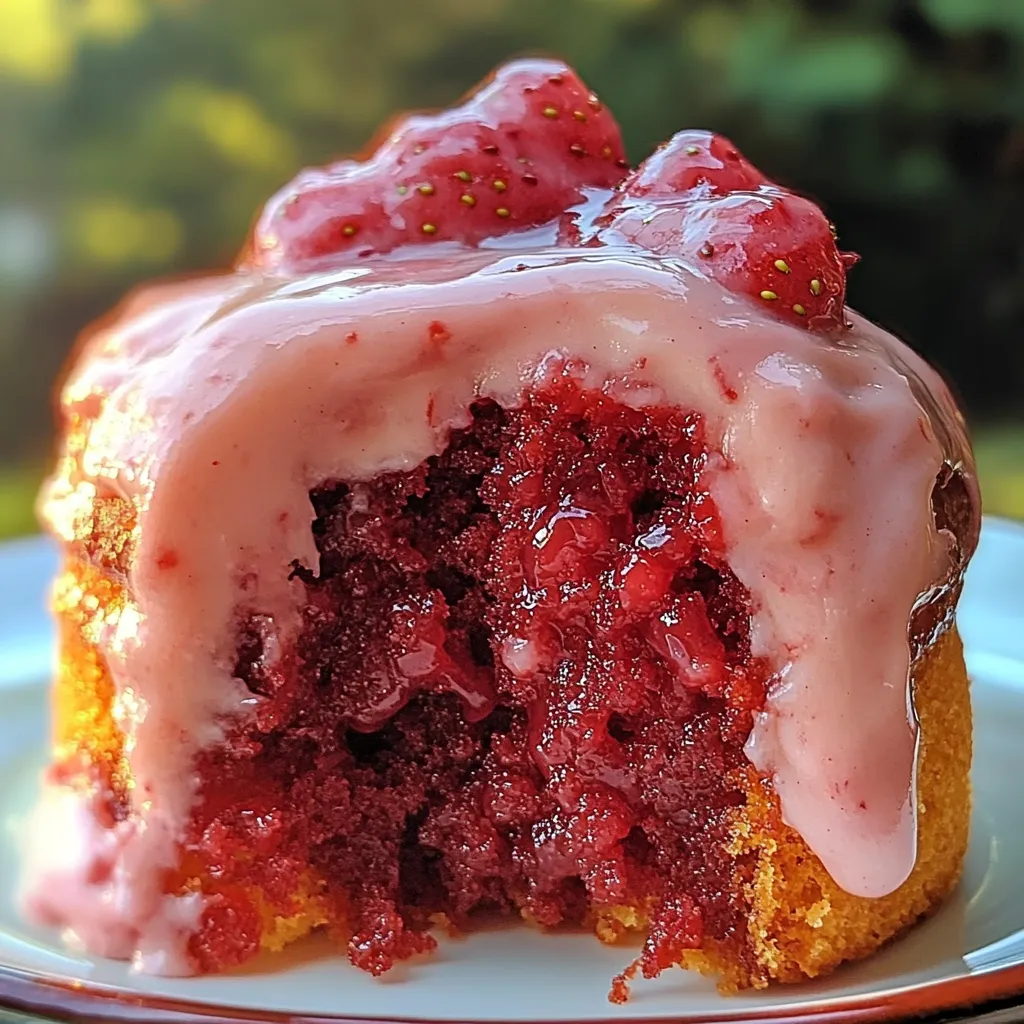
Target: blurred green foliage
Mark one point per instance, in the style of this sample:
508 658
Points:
1000 456
139 137
18 488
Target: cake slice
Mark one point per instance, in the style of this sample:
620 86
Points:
510 533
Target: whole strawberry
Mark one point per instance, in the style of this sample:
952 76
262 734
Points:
516 154
694 161
697 198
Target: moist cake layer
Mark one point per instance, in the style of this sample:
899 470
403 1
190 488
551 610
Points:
522 682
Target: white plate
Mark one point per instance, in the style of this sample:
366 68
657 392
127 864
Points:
972 950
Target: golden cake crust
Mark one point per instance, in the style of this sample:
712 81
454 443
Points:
801 923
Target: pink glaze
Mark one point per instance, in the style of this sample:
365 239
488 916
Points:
219 405
85 875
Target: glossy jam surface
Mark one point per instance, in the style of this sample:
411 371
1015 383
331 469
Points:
523 679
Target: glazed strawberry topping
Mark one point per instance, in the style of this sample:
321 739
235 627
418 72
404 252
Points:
694 160
517 154
527 150
699 199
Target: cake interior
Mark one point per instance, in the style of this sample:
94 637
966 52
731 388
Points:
523 686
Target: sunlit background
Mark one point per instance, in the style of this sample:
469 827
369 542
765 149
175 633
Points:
137 138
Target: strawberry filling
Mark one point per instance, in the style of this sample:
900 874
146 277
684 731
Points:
523 684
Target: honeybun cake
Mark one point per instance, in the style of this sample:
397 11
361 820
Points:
510 533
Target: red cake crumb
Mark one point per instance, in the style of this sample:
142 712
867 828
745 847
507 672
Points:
229 932
523 681
677 928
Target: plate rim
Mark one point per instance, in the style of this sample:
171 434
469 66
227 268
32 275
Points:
74 1001
77 1002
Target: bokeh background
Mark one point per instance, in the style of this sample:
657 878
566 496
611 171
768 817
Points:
137 138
